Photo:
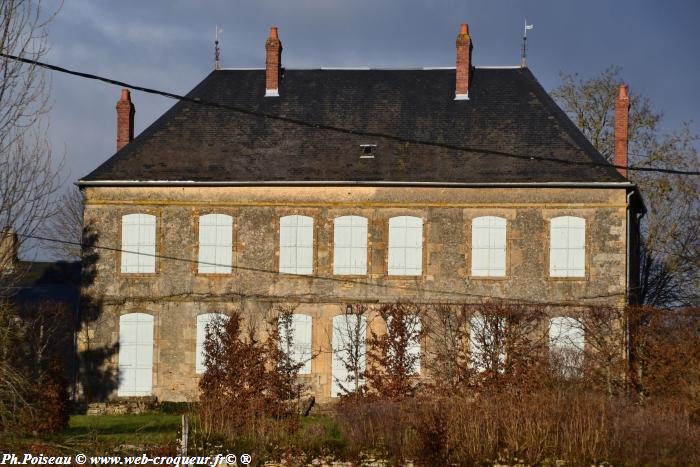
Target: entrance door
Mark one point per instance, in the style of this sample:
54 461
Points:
135 355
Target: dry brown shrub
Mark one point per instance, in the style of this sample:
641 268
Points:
580 428
247 384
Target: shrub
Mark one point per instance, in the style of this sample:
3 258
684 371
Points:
541 427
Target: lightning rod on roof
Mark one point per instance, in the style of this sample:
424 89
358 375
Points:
523 57
217 50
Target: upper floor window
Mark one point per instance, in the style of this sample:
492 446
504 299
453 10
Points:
566 345
296 244
350 245
205 326
138 243
567 248
405 246
215 244
489 246
297 331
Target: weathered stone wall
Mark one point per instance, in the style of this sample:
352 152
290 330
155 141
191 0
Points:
177 293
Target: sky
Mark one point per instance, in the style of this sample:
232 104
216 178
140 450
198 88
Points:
168 45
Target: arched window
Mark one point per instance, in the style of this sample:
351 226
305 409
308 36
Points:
567 247
349 335
566 345
135 354
350 245
215 244
138 243
296 244
489 246
299 330
204 325
405 246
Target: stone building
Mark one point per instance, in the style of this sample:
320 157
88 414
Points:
330 187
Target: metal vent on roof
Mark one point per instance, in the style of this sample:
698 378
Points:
367 151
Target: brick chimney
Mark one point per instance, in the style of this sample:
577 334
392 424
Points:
273 63
464 63
622 108
125 120
9 244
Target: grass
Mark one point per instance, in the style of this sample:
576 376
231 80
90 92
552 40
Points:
150 428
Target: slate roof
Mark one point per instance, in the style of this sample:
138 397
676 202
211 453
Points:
508 111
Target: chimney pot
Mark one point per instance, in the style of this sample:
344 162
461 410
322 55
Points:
622 107
464 63
273 63
125 119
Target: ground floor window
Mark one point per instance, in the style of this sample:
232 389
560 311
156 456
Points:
135 355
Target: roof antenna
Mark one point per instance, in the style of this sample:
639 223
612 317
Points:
523 57
217 50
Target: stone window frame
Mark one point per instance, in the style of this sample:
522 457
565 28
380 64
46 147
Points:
547 216
385 218
235 247
157 213
509 216
313 214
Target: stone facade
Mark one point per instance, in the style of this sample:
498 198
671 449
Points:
176 293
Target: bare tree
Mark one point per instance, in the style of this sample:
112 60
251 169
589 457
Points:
670 262
28 174
350 350
394 358
67 225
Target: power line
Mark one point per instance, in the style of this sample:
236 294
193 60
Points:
325 278
337 129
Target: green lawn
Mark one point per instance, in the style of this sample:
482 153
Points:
148 428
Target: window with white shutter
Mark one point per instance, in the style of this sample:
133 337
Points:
135 354
413 330
489 246
348 343
138 243
405 246
300 334
215 244
567 247
350 245
566 345
204 323
296 244
487 342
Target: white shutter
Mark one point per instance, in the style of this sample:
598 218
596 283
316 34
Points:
567 249
350 245
413 327
405 246
296 244
343 327
414 347
138 243
483 340
135 354
203 322
489 246
215 244
566 344
302 341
